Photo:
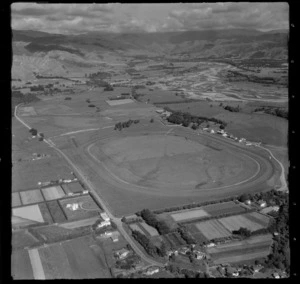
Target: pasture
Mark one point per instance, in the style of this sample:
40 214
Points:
54 192
15 199
119 102
197 235
31 196
73 260
212 229
255 247
20 265
189 215
87 207
223 208
258 218
236 222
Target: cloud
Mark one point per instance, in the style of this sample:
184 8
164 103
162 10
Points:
76 18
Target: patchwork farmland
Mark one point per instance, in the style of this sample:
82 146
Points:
52 193
236 222
189 215
223 208
31 196
255 247
212 229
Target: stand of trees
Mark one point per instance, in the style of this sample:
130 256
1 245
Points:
244 232
18 97
280 112
185 118
151 219
232 109
186 236
145 242
125 124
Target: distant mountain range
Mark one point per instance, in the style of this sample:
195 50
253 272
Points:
88 47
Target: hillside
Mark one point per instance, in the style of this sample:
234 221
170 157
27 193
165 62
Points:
41 52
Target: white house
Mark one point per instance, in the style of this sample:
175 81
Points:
262 203
152 270
104 216
210 245
199 254
73 206
212 131
103 224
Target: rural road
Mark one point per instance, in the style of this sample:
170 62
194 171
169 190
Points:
89 185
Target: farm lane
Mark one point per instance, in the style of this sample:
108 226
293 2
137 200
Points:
116 220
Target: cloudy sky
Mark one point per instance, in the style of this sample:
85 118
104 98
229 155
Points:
80 18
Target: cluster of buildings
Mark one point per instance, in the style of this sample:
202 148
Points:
230 136
163 113
185 250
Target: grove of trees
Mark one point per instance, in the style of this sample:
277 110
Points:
151 219
125 124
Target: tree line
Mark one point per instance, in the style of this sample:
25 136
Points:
120 125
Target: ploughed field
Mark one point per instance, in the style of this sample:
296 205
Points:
173 164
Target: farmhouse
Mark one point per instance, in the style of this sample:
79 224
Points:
122 253
270 209
210 245
199 254
103 224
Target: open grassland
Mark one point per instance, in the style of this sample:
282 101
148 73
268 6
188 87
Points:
87 207
31 196
190 214
212 229
223 208
126 198
16 200
152 231
236 222
255 247
27 175
56 212
170 161
31 212
54 192
20 265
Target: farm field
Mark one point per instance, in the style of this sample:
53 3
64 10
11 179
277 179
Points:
56 212
189 215
197 235
30 212
22 239
151 230
15 199
236 222
87 207
52 193
223 208
45 213
258 218
74 187
27 175
36 264
174 240
31 196
119 102
254 247
20 265
212 229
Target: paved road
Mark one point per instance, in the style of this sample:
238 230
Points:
90 186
